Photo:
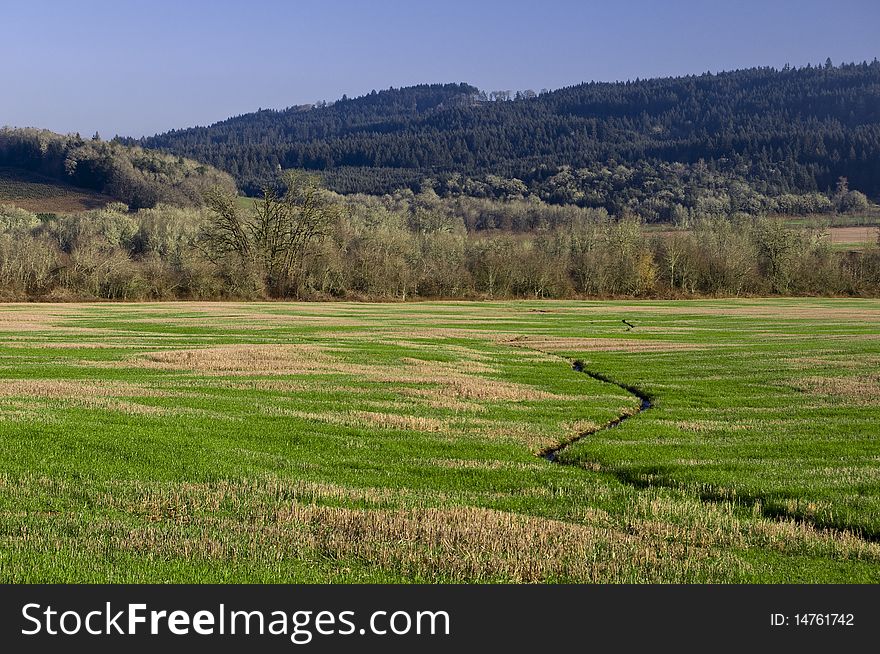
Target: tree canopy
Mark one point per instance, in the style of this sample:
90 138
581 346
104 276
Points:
647 145
133 175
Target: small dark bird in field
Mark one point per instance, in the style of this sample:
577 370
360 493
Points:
629 325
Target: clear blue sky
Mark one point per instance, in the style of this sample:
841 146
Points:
135 68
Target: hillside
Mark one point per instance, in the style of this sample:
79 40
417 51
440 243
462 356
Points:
40 164
42 194
745 135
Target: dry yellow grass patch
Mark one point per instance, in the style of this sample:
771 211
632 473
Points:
492 390
244 320
85 388
17 320
136 409
483 544
242 359
429 334
275 385
571 344
851 475
862 389
40 408
397 421
453 381
355 419
157 501
471 365
431 398
835 360
717 524
581 427
536 438
758 309
73 345
20 321
429 544
707 425
160 500
484 464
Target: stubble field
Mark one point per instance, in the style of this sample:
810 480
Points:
399 443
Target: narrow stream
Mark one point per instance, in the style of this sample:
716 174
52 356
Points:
551 453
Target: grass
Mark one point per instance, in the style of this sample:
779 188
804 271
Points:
367 442
41 194
853 238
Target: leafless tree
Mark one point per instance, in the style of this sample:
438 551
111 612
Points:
272 237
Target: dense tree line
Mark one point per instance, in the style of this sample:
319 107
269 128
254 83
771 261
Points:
742 139
135 176
301 241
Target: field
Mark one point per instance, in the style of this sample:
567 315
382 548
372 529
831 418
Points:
853 237
45 195
842 231
400 443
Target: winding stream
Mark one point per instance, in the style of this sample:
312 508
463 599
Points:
551 453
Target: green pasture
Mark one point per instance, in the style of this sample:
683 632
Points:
344 442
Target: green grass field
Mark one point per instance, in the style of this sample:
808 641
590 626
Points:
398 443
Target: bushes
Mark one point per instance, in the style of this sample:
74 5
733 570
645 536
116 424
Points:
377 251
408 246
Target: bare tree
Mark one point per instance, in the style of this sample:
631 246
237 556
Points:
273 236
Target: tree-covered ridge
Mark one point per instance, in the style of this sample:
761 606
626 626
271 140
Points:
757 133
138 177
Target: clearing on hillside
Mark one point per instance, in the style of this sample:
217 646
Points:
40 194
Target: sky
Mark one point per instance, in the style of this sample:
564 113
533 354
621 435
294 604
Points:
136 68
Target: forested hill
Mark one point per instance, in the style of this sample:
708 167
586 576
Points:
137 177
746 136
